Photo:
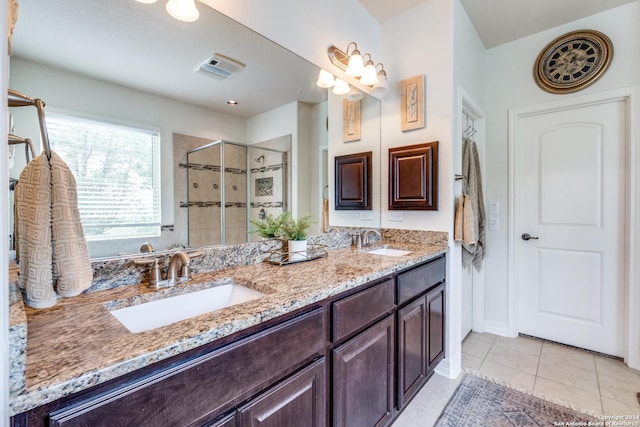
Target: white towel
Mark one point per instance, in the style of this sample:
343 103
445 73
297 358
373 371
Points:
51 241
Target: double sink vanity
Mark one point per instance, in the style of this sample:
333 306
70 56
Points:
345 340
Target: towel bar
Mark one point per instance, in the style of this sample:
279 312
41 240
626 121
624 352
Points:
17 99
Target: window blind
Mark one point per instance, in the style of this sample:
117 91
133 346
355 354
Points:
117 175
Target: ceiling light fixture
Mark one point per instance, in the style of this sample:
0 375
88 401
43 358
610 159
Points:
232 102
183 10
146 1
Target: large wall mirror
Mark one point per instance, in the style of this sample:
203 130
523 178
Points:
131 65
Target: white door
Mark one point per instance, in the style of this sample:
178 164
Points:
570 198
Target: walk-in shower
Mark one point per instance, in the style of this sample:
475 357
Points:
217 177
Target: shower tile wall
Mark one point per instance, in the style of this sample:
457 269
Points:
235 187
266 184
182 144
204 197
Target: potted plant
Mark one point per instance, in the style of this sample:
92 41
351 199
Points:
293 232
269 227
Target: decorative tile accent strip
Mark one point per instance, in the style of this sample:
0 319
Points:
267 204
267 168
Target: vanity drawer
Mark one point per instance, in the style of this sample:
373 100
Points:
208 385
354 312
418 280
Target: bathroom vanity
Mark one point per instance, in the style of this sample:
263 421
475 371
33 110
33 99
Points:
347 340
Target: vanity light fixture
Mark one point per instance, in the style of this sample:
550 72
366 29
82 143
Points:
382 86
325 79
369 75
183 10
341 87
355 67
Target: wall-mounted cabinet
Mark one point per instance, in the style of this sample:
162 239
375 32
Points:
353 181
413 177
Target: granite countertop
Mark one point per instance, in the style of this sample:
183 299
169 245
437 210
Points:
78 343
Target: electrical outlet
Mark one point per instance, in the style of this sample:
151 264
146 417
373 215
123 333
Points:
494 207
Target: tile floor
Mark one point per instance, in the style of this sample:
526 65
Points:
563 374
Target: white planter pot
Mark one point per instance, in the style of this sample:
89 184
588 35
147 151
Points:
297 250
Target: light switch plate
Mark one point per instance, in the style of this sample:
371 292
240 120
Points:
494 224
366 216
396 216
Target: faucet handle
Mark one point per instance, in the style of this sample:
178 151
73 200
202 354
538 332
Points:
155 275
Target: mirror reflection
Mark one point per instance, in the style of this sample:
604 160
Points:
129 64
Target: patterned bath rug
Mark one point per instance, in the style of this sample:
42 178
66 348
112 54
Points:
479 402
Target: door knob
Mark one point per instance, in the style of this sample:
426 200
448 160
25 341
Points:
527 236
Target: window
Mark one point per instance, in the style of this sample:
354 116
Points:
117 175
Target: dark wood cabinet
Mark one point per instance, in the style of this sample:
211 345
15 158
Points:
298 401
435 326
363 378
413 177
353 182
202 388
228 421
421 332
412 346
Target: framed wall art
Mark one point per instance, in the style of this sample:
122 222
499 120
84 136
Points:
412 103
352 120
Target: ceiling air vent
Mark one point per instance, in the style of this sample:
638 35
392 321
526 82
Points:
220 67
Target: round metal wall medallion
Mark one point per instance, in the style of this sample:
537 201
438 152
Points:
573 61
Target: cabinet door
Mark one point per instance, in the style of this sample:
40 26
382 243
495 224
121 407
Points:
228 421
435 326
298 401
363 377
412 346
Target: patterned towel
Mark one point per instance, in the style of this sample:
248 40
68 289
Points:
50 236
33 217
72 271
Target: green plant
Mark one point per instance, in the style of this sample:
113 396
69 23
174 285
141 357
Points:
292 229
283 226
270 226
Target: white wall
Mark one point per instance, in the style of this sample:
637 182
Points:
369 141
509 84
426 49
64 91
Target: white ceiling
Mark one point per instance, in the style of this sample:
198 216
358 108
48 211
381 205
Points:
139 45
501 21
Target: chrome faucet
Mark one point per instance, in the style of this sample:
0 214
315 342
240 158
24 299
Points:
365 236
172 272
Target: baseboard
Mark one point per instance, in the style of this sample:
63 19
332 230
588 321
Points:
497 328
449 369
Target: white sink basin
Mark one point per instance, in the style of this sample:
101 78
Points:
153 314
389 252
